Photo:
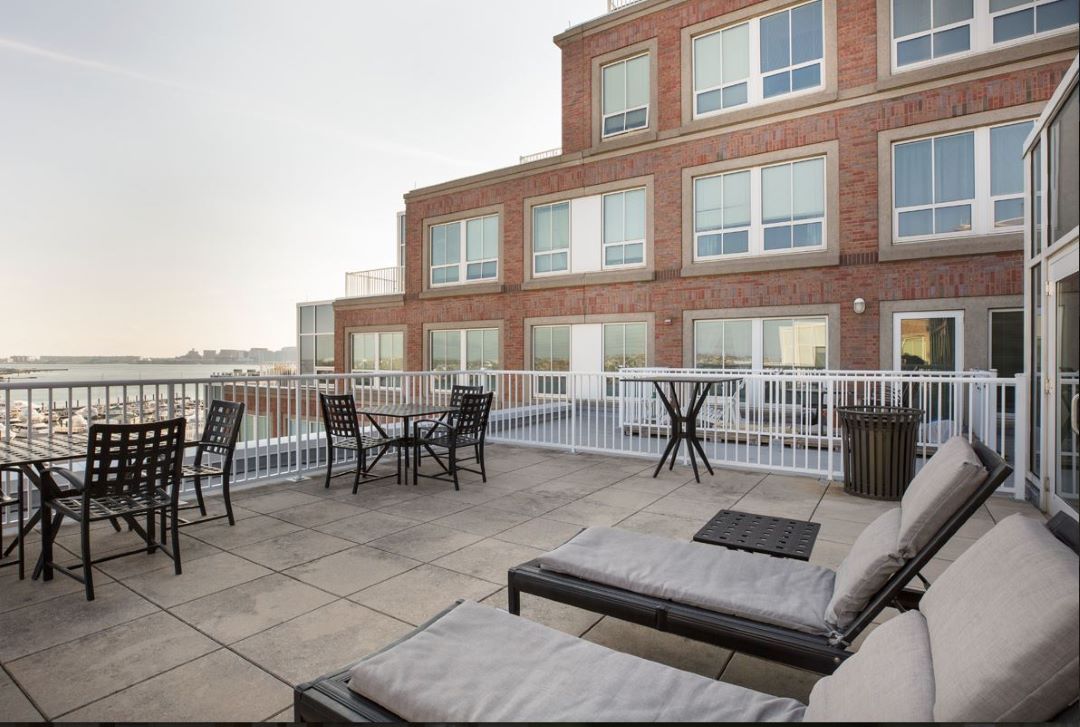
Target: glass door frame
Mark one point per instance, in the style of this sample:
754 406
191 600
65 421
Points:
1061 265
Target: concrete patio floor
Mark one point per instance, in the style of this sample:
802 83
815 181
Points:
311 579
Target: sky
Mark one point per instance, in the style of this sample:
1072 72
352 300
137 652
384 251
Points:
178 174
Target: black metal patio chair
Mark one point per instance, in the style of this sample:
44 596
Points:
8 501
132 471
468 430
219 437
343 431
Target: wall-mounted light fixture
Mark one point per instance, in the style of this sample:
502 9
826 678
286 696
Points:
859 305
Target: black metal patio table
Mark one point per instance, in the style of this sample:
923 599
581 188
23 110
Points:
405 412
683 424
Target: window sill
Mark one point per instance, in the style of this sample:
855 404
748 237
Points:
625 140
952 246
459 290
600 277
765 263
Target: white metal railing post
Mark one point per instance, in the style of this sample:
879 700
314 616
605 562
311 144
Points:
1021 424
830 402
572 395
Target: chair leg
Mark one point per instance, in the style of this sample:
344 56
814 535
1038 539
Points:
46 540
453 467
115 524
225 495
198 497
88 570
329 465
174 513
19 535
361 466
480 459
416 464
151 535
513 597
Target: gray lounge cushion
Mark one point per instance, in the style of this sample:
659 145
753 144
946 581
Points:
872 561
947 479
1004 625
478 664
890 679
777 591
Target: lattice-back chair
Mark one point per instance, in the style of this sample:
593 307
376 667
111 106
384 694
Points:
132 471
219 436
457 393
343 431
468 431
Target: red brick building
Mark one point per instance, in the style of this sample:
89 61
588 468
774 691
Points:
835 183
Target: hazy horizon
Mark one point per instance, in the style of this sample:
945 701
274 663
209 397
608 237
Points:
179 174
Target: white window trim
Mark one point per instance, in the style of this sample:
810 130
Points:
569 240
756 228
757 336
463 356
642 240
377 382
462 264
958 315
647 106
755 91
982 204
982 35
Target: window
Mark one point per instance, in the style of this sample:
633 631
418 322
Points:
378 351
625 346
960 184
465 251
1062 172
759 60
401 239
787 214
551 238
927 30
1036 199
928 341
625 95
551 353
624 228
315 331
762 343
469 349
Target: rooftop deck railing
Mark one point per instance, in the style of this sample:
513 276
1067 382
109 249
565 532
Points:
776 421
372 283
537 156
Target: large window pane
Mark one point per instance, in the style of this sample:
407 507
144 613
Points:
775 39
911 16
736 53
794 343
613 218
615 88
806 41
912 180
307 319
736 212
954 167
634 203
637 82
560 226
1064 149
708 203
808 199
708 61
947 12
392 351
1056 15
723 344
364 351
324 351
1006 158
776 194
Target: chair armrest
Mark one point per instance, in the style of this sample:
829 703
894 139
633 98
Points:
72 479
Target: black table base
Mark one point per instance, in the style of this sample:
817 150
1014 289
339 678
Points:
684 426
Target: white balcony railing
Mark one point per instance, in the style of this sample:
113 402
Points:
371 283
613 5
546 154
784 422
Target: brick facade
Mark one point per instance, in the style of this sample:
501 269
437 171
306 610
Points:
864 106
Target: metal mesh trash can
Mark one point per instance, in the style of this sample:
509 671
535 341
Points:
878 449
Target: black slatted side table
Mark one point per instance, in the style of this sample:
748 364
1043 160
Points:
776 536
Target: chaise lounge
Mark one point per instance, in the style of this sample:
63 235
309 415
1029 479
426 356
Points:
784 610
997 638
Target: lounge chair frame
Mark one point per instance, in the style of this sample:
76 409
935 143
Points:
822 654
329 699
